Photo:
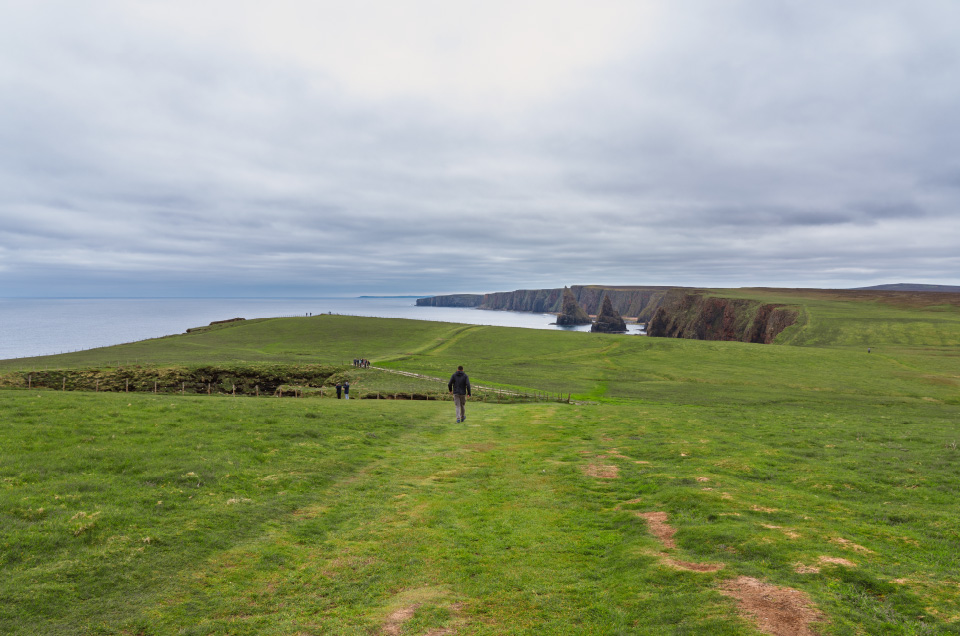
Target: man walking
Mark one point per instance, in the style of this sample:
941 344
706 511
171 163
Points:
459 386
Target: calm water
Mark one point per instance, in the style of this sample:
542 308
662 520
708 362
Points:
44 326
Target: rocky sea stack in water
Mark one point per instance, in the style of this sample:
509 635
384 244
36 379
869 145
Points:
608 320
571 311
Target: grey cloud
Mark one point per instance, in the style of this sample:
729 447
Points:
744 144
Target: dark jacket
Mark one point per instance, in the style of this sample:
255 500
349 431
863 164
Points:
459 383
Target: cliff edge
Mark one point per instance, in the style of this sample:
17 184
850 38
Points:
685 314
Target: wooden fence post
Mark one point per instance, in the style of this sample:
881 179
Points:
64 387
97 390
30 381
183 388
126 389
234 389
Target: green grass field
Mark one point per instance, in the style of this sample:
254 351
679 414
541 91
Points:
814 466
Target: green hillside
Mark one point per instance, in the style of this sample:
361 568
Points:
683 474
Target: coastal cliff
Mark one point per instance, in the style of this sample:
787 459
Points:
638 303
670 312
451 300
686 314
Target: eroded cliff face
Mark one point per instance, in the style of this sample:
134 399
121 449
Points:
633 302
670 312
535 300
686 314
451 300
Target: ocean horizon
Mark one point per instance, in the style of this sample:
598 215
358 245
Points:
48 326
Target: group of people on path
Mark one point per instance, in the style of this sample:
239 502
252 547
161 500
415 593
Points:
362 363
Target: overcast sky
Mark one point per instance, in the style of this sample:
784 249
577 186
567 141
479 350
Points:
233 148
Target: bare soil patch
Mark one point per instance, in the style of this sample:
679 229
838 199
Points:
781 611
601 471
763 509
394 623
614 453
847 543
694 567
837 561
789 533
800 568
657 523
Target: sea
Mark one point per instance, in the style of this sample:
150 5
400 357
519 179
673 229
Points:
47 326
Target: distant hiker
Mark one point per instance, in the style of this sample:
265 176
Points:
346 390
459 386
339 389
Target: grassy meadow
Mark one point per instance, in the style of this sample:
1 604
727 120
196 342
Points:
812 465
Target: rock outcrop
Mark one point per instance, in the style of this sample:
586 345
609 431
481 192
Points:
608 320
686 314
571 312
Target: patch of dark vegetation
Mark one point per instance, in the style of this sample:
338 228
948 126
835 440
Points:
258 379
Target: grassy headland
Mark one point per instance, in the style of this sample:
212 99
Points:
820 467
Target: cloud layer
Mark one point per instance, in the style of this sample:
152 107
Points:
231 148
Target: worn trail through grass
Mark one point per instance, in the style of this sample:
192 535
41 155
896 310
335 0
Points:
244 516
482 527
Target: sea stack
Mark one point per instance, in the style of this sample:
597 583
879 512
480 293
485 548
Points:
608 320
571 311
